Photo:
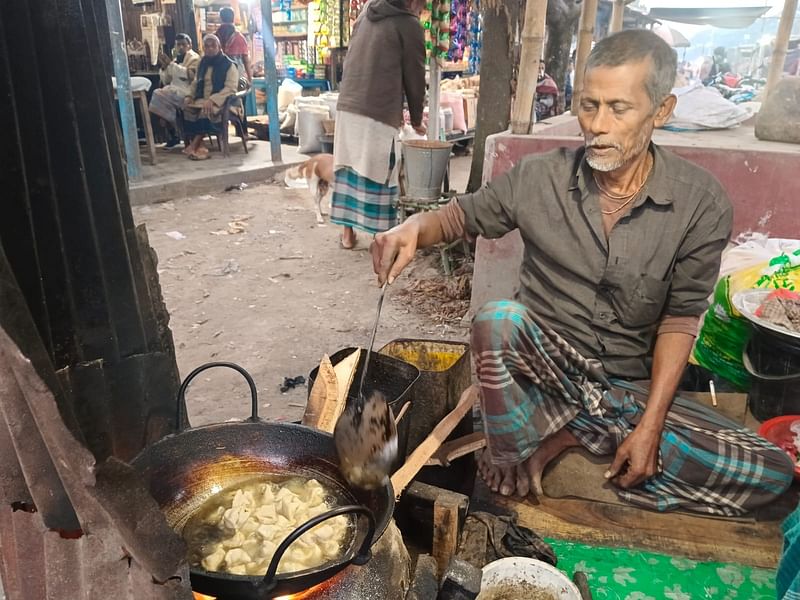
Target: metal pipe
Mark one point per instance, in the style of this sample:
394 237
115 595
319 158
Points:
434 98
271 80
124 95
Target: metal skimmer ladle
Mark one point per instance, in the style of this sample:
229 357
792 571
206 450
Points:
365 434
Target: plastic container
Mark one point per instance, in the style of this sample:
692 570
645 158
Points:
394 378
773 361
425 165
778 432
520 570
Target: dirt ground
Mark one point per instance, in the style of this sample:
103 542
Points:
252 279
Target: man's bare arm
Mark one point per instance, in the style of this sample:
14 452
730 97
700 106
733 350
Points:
637 457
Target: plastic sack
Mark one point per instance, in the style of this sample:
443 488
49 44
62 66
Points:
287 93
309 128
725 332
456 103
702 107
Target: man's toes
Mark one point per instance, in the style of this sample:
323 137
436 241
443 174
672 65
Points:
508 484
523 481
534 472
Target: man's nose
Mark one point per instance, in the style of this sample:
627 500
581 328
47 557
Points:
601 123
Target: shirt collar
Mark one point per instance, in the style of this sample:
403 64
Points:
657 187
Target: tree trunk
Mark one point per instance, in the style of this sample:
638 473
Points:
501 24
562 24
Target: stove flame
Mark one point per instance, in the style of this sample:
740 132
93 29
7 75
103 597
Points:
304 595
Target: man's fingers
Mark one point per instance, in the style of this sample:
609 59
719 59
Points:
620 458
404 257
388 255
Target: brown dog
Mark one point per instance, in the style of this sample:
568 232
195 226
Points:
318 172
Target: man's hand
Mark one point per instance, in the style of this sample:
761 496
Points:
208 106
187 102
393 250
163 60
637 457
420 129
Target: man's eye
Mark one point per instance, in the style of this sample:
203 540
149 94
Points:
620 110
588 107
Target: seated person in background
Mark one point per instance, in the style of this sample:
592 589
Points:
176 77
217 80
234 44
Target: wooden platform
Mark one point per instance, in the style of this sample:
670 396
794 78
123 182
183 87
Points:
754 541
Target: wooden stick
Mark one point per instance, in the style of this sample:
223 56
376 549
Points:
446 532
403 412
585 37
450 451
781 44
617 16
345 373
425 450
532 46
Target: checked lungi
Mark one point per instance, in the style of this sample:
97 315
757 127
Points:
365 187
533 384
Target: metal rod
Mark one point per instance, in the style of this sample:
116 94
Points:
123 76
271 80
371 343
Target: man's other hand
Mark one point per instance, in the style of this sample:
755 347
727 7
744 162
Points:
637 458
420 129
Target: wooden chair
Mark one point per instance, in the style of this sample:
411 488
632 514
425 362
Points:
227 117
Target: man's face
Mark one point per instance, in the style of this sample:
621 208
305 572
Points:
210 47
616 116
182 47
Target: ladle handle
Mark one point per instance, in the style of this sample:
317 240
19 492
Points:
182 417
356 557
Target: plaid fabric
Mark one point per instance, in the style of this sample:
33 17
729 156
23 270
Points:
534 384
362 203
788 577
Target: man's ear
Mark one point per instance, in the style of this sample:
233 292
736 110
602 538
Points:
665 110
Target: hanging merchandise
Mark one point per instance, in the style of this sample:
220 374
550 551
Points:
459 30
440 28
475 38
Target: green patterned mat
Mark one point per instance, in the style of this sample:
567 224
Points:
628 575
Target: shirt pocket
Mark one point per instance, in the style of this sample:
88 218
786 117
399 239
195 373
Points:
640 300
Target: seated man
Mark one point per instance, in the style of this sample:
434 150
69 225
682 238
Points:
622 245
216 81
176 77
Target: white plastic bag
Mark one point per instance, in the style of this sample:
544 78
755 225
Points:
287 93
701 107
309 128
407 134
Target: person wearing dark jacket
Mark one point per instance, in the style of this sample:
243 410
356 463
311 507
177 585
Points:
385 62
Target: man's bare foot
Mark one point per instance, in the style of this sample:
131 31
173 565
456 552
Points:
348 240
526 477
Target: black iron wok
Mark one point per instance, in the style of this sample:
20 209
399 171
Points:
184 470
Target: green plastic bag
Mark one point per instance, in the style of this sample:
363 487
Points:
725 332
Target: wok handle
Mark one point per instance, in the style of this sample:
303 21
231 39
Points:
359 557
182 390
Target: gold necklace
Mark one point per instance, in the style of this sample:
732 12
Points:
630 197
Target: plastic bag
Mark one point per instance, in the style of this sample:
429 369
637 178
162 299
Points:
725 332
701 108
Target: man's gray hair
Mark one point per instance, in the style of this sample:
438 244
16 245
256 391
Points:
635 45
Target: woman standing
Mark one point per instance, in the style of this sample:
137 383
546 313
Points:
217 79
385 61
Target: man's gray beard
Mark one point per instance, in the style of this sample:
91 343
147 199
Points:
603 166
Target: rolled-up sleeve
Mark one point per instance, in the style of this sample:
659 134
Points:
698 260
491 211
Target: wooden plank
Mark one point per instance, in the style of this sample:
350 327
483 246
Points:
446 531
699 538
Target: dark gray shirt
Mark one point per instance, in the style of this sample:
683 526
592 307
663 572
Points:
606 296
